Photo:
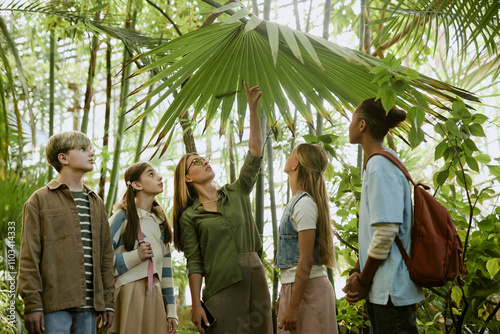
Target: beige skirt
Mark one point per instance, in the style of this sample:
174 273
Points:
139 311
316 310
245 306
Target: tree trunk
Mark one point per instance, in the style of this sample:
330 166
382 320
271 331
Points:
89 93
4 134
8 71
187 133
109 87
52 65
319 118
114 176
142 132
270 175
232 167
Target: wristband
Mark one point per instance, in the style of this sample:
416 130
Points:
362 283
354 270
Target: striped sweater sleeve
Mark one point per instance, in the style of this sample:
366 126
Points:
123 260
382 239
167 284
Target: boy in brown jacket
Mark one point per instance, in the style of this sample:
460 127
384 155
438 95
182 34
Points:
66 263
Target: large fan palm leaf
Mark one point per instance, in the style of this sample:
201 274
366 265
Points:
288 66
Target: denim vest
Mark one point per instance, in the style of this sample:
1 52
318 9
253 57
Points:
287 255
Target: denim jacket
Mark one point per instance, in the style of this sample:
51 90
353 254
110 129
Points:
288 243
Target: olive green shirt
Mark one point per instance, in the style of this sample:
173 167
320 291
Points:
213 240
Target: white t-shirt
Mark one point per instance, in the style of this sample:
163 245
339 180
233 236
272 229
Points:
304 217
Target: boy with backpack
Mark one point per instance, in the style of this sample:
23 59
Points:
66 261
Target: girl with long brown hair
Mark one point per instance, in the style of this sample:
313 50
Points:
305 246
141 234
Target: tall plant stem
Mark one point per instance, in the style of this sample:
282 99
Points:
113 186
52 65
107 116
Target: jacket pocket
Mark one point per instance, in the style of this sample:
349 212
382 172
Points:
56 224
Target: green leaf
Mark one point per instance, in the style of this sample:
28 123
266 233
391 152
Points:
399 86
479 118
342 213
442 176
493 265
310 139
477 130
329 172
253 23
456 294
452 127
483 158
388 99
486 225
440 148
329 138
98 8
471 145
460 109
412 75
495 170
291 41
472 164
306 43
237 16
273 35
460 179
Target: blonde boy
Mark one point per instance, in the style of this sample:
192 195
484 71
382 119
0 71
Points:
66 263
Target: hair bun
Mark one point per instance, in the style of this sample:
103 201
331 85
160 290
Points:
395 116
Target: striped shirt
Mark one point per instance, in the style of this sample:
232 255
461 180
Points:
128 265
382 239
83 207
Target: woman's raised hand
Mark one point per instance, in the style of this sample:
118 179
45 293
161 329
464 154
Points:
253 96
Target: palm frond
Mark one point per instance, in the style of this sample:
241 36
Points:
218 58
465 25
93 19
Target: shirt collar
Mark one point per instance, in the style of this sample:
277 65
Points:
156 211
196 204
55 184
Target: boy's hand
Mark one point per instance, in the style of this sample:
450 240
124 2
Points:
34 322
106 321
144 250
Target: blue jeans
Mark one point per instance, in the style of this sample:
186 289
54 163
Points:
65 322
385 319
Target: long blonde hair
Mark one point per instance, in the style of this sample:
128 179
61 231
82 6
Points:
313 161
184 196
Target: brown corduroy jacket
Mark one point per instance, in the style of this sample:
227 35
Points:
52 273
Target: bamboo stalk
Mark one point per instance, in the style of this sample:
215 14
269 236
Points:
52 65
114 175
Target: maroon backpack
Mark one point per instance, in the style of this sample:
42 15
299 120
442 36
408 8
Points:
436 249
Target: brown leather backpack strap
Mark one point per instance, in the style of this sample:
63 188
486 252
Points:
402 250
395 161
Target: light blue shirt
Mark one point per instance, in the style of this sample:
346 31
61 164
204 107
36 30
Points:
386 198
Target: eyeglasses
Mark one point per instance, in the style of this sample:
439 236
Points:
198 162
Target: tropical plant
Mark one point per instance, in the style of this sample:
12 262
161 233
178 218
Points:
230 53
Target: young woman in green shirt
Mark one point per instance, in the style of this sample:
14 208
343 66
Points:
215 229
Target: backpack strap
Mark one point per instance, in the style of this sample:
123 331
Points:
403 169
140 238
